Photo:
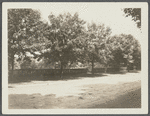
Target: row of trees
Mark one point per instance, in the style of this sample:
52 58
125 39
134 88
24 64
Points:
66 40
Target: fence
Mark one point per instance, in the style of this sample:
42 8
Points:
47 72
44 72
109 70
21 75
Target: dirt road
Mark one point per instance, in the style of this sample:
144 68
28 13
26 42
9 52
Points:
110 91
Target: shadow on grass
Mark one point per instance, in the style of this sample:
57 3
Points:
33 101
129 100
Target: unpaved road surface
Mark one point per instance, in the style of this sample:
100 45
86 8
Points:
109 91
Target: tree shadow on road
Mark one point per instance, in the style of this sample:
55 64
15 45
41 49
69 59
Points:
65 77
22 79
124 72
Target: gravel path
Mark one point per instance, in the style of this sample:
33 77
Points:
69 87
110 91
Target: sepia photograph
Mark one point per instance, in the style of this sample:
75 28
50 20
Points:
75 58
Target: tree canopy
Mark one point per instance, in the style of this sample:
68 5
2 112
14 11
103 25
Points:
124 49
135 13
62 38
95 42
66 40
22 25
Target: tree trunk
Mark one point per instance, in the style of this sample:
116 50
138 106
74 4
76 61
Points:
12 63
61 70
13 54
128 67
106 69
92 65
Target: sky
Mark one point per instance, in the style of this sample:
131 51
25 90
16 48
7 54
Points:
109 14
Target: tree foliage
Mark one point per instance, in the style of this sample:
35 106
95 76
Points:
22 25
125 49
95 42
66 41
122 49
62 38
135 13
106 53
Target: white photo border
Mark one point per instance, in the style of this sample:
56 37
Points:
144 59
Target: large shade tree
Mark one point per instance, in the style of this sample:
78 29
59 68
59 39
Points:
62 43
96 38
106 53
22 32
126 49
